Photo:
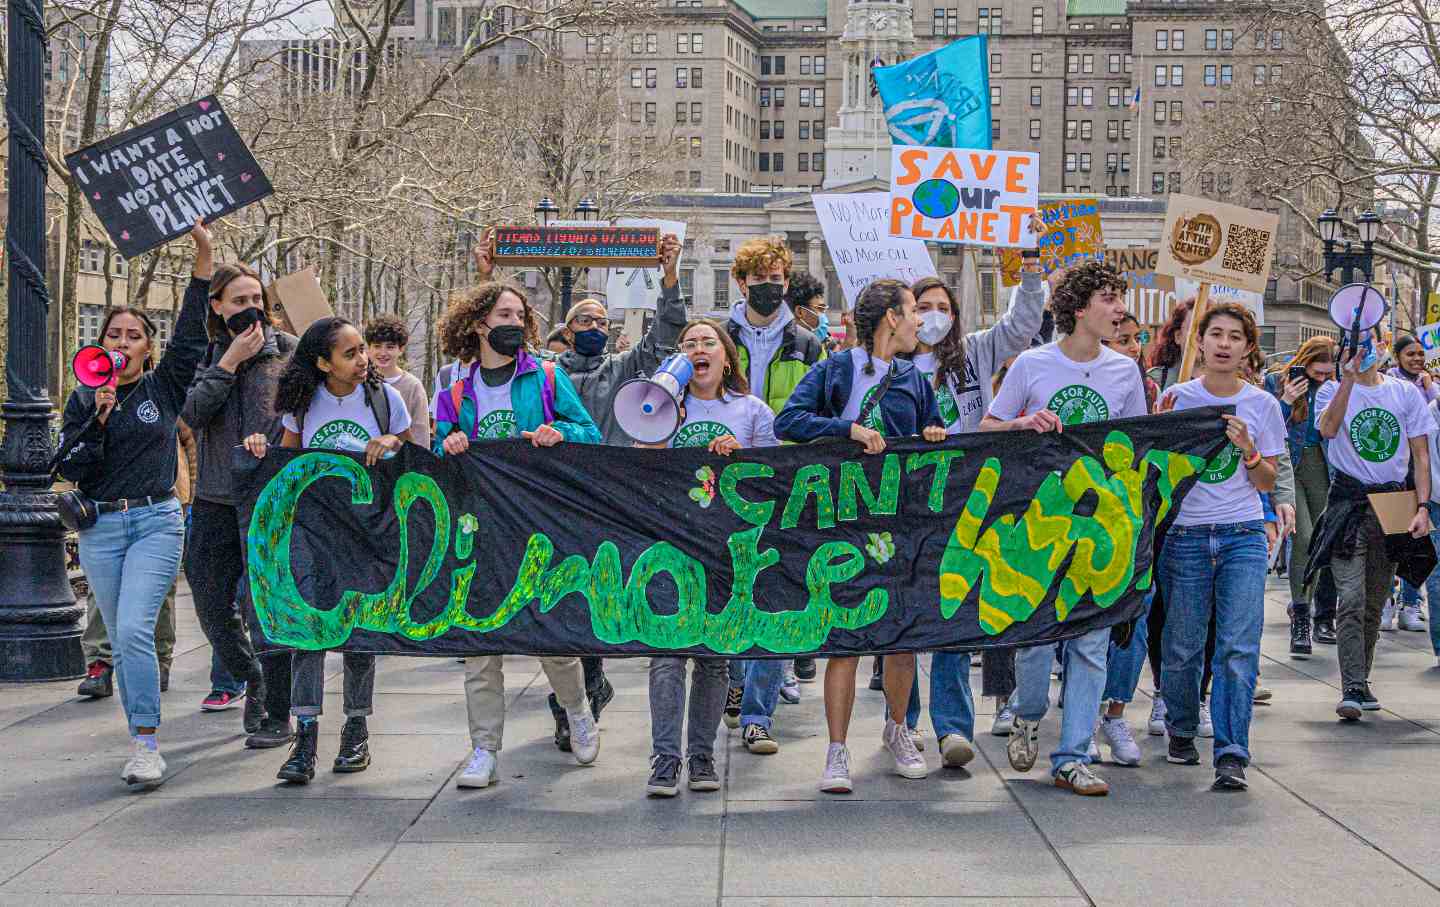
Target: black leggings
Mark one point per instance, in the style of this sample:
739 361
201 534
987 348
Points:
1155 629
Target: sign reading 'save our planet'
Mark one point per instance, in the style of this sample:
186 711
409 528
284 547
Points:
964 195
1212 242
149 184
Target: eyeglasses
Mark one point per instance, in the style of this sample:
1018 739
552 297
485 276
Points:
586 322
710 344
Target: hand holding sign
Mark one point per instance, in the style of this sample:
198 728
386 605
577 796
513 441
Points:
484 254
669 258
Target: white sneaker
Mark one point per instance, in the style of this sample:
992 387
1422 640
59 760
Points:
1123 748
836 779
584 735
1024 744
955 751
917 737
480 770
1003 724
908 761
1093 750
1205 727
790 684
1157 717
145 768
1411 618
1387 615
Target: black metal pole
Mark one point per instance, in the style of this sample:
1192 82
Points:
567 290
39 618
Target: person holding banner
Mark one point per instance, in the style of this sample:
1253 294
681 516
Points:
508 394
868 394
1073 380
124 459
1213 558
330 396
1410 366
719 414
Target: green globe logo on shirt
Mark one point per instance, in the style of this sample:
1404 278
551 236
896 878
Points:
874 420
1375 434
1222 467
699 434
497 424
328 435
944 400
1077 404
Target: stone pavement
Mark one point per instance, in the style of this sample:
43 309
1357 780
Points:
1335 814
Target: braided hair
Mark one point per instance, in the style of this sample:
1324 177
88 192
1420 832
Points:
875 300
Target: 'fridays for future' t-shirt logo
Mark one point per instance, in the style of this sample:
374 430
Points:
1076 404
1375 434
1222 467
328 435
699 434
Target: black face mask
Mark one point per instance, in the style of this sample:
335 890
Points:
240 322
507 339
765 298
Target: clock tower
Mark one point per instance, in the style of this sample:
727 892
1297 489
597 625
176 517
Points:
877 32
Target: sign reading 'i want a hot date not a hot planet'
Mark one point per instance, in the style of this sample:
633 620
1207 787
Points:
148 185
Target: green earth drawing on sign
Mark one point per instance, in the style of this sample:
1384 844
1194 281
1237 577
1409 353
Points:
936 198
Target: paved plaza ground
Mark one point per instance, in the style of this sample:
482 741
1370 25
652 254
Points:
1336 814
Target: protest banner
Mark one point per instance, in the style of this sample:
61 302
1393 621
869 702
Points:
1211 242
1149 296
638 289
577 246
1072 235
860 244
150 184
989 539
941 98
962 195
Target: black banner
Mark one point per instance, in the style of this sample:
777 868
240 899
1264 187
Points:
149 184
985 540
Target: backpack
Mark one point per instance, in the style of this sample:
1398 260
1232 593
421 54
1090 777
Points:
547 393
375 398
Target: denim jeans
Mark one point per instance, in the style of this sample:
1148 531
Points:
131 560
307 684
708 679
1122 671
1084 665
1432 583
735 669
952 707
1220 568
763 677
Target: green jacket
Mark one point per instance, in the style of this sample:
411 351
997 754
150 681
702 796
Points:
799 349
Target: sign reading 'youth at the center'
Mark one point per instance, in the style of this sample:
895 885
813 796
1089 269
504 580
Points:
964 195
150 184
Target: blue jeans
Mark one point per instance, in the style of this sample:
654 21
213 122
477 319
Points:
221 679
952 707
1432 583
1220 567
131 560
1084 666
1122 672
763 677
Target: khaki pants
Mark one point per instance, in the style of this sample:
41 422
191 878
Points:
95 641
485 694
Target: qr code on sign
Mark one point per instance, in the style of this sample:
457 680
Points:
1245 249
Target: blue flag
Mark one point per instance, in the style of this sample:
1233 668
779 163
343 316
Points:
940 99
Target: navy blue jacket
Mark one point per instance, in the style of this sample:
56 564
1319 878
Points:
813 410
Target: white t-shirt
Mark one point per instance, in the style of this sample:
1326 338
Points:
862 387
348 422
1106 387
746 417
494 414
1224 493
1371 444
947 400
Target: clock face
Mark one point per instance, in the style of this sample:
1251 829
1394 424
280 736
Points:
881 21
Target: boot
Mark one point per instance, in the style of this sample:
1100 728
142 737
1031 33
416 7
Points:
1300 630
354 755
562 725
877 674
99 681
300 767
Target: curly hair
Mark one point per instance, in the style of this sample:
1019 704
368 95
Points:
387 329
804 287
950 351
468 310
734 379
875 300
1170 339
758 256
1074 292
301 375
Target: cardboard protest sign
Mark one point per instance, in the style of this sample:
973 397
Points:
1149 296
636 289
964 195
1255 302
1429 337
1432 308
149 184
578 246
1072 235
299 300
860 244
1212 242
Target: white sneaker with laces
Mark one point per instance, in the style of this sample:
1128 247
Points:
1093 750
1157 717
480 770
1387 615
1023 747
955 751
836 779
584 735
1205 727
917 737
908 761
790 684
145 767
1123 748
1411 619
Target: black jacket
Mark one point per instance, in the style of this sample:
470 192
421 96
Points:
1338 532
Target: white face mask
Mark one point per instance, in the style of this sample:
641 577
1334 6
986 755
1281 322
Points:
934 325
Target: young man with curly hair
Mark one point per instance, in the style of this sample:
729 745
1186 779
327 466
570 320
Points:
386 338
1068 382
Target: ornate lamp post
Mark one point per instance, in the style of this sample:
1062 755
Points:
1349 260
545 212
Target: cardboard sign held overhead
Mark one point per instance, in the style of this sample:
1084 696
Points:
964 195
861 246
298 300
639 288
149 184
578 247
1149 296
1072 235
1211 242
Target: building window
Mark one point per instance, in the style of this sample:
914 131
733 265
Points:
1114 64
1175 146
634 111
1277 40
764 162
695 77
994 130
1210 74
682 111
803 162
1087 64
1085 162
1275 74
1072 63
1227 39
1034 129
1112 162
1224 183
1124 162
696 109
1129 64
994 63
1227 75
804 130
1034 95
1212 39
779 162
682 43
1072 129
1175 110
1071 160
1112 96
1037 20
819 66
817 129
695 147
1072 97
1087 97
779 129
994 95
1112 130
804 66
1087 130
804 97
650 78
1160 72
1174 182
445 29
817 162
819 97
1162 40
779 97
1157 183
650 114
1159 148
1037 63
1177 39
947 21
764 129
1260 74
1177 76
764 97
1160 111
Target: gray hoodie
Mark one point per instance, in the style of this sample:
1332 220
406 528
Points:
596 378
761 342
987 350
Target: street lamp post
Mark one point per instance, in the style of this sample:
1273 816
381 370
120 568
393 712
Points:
39 619
545 211
1349 260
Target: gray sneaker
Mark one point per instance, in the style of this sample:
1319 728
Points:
664 776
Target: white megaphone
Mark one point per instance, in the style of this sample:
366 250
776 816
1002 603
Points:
648 409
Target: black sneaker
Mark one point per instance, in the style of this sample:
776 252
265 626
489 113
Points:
253 717
99 682
272 732
702 773
1230 774
1350 703
733 697
1325 632
1183 751
805 670
562 725
664 776
1368 702
758 741
354 755
877 674
1300 633
600 698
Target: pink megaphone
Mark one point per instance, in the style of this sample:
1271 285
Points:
95 366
